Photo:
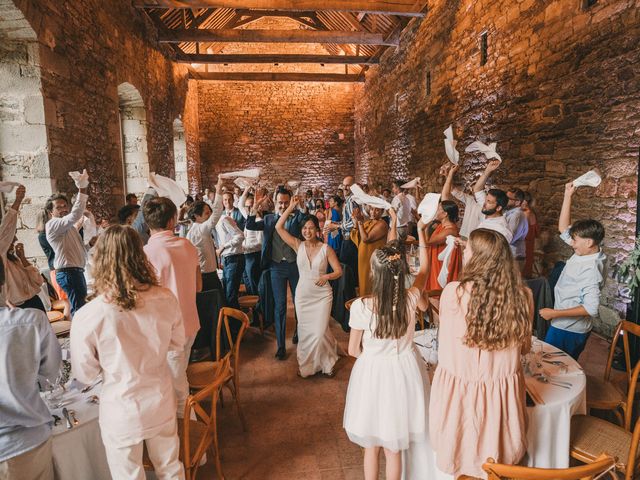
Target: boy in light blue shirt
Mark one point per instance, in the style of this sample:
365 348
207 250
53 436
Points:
577 293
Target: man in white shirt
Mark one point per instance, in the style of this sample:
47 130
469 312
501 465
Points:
229 241
70 253
402 205
517 223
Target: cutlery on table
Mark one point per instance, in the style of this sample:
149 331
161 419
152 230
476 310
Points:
543 379
73 416
56 420
89 387
554 354
65 414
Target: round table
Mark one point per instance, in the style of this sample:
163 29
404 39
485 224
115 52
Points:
549 425
78 452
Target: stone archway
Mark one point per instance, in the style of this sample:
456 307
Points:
180 154
24 150
133 124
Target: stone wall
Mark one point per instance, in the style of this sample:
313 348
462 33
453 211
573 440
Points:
81 52
294 131
559 93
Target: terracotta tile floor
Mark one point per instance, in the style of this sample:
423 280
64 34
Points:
295 425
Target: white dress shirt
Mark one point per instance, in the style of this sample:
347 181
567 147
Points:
229 236
65 239
472 211
252 238
200 235
497 224
129 348
402 205
519 227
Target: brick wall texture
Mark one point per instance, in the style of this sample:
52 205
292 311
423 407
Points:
559 93
301 131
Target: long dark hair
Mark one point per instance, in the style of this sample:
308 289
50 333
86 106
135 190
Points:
389 272
316 223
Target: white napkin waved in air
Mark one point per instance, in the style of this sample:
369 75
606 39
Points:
362 198
429 206
450 146
166 187
488 150
6 187
412 184
80 179
244 183
248 173
445 258
590 179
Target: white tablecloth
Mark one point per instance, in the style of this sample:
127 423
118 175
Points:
78 453
549 425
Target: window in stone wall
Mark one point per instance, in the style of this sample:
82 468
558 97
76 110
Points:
180 154
427 83
133 123
484 47
588 4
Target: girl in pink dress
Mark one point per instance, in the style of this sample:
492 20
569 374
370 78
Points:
386 406
477 405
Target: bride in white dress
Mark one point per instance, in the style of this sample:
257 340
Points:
317 348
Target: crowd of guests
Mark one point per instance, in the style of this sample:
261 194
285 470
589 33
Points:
136 279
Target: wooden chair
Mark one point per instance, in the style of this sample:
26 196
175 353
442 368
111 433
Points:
498 471
602 394
591 436
249 303
201 374
55 316
58 305
61 328
242 290
198 436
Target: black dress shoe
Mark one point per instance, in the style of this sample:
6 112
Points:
281 353
295 338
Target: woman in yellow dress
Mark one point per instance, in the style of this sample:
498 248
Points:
367 235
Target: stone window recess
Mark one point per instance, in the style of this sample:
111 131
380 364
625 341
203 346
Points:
484 47
586 4
180 154
133 123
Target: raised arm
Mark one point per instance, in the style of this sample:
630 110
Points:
289 239
423 272
446 188
379 231
58 226
491 167
216 207
392 234
10 221
243 198
564 221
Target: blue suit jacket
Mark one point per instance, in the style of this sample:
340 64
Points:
268 227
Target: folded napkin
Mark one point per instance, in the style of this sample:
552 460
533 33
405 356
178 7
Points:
363 198
80 179
248 173
6 187
488 150
412 184
445 257
166 187
429 206
590 179
450 146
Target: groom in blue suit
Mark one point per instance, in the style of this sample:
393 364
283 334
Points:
280 259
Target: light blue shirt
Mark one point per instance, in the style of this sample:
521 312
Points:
29 352
579 285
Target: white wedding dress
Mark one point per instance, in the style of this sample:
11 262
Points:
317 348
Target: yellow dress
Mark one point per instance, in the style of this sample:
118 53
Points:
365 250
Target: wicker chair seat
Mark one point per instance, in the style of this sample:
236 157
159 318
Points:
591 436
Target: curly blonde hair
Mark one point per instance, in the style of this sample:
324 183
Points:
121 268
499 313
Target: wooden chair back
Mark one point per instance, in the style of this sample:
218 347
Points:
194 404
497 471
625 328
348 303
234 346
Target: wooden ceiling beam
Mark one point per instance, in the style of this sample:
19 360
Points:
277 77
273 36
409 8
274 13
270 58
